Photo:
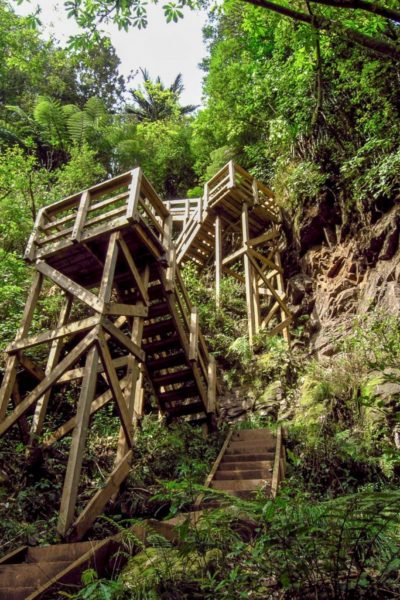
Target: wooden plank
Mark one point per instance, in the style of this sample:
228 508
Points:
75 458
128 310
218 259
231 168
69 425
70 286
134 392
133 269
248 276
212 385
29 365
194 334
274 293
110 262
269 263
124 340
134 195
53 334
10 373
264 237
48 381
78 373
171 269
52 360
234 256
102 496
281 326
115 388
30 250
81 217
276 469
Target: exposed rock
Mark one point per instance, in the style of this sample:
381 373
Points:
336 282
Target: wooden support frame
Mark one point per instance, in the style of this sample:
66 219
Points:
218 260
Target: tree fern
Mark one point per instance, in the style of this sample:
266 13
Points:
49 115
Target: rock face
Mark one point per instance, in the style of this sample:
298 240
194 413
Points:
345 274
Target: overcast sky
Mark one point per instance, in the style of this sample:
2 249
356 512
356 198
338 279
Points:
165 49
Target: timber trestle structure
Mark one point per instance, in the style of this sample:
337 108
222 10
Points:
126 331
125 323
236 229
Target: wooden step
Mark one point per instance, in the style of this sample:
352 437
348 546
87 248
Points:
185 409
247 449
243 464
29 574
170 342
252 434
158 310
247 457
165 362
242 474
187 391
235 485
57 552
175 377
15 593
159 328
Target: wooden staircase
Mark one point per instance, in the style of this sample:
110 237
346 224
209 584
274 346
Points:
250 461
235 228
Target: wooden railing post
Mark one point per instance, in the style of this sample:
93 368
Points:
30 248
194 334
81 217
212 385
134 195
218 260
231 168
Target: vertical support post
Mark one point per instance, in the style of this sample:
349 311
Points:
256 300
134 195
167 235
187 212
81 217
248 276
70 489
134 390
54 355
281 291
218 260
212 385
10 373
194 334
231 168
30 247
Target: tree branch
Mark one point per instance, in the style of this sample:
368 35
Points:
372 7
378 46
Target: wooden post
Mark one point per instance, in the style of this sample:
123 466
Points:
81 217
218 260
8 382
194 334
133 391
54 355
134 195
231 168
281 291
70 489
248 276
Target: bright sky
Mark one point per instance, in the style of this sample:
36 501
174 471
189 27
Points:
165 49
